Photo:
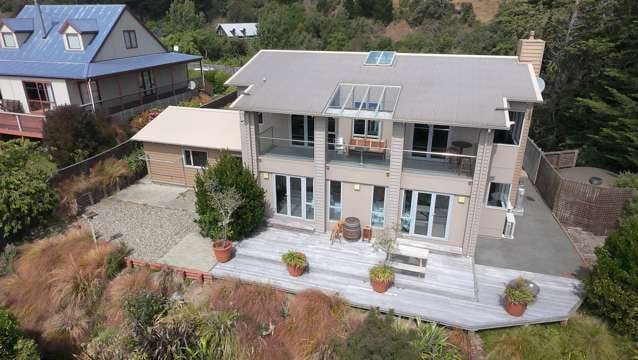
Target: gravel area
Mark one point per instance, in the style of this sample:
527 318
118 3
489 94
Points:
151 231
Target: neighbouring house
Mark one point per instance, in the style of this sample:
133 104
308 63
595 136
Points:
430 145
237 30
181 140
100 57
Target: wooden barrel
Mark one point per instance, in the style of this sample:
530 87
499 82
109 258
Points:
352 228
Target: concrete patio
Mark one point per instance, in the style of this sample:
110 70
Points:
454 292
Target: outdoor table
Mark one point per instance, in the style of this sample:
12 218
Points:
461 145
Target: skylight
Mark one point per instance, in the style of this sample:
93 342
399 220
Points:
363 101
380 58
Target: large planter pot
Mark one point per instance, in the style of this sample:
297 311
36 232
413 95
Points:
515 309
296 271
380 286
223 250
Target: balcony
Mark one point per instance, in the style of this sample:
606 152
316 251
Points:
14 122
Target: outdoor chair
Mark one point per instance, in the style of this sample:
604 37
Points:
453 160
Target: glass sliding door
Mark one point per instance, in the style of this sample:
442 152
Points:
420 140
429 138
378 206
426 214
302 130
294 196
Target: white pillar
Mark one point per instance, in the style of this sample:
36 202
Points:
319 188
394 184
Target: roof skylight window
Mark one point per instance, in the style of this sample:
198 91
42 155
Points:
363 101
380 58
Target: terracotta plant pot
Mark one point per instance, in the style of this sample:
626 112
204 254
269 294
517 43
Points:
380 286
223 250
515 309
296 271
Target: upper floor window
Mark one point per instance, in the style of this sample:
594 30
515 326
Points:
9 40
73 42
513 135
130 39
366 128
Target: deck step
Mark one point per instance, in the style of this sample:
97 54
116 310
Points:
290 224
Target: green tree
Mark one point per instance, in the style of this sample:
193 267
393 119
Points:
182 16
375 9
421 10
612 289
25 195
72 134
282 27
228 172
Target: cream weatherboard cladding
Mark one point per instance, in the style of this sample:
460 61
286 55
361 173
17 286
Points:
319 195
396 166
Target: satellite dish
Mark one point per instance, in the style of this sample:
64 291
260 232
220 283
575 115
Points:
176 48
192 85
541 84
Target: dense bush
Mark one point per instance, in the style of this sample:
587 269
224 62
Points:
136 161
228 173
143 118
142 308
116 260
583 337
379 339
25 195
612 288
424 10
6 259
73 134
13 345
217 80
629 180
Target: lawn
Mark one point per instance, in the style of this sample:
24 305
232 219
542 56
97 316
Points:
583 337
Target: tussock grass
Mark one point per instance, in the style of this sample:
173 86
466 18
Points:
259 303
584 337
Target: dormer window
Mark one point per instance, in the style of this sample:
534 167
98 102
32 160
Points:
9 40
73 42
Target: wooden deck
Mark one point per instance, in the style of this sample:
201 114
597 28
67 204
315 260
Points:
454 292
28 125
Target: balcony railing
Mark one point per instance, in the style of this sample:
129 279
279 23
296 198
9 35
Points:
19 124
140 98
442 163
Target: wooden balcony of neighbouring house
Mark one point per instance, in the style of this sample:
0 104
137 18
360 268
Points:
13 120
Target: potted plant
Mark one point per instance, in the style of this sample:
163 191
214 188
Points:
296 262
226 202
517 296
381 278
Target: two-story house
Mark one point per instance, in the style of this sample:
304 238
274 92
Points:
430 145
97 56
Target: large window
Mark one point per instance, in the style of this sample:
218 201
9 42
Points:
302 130
147 83
366 128
378 206
195 158
498 195
335 201
39 96
426 214
429 138
130 39
9 40
294 196
513 135
73 42
332 133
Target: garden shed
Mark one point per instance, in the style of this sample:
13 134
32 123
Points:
181 140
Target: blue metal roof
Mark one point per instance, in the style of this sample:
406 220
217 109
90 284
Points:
18 25
83 25
46 56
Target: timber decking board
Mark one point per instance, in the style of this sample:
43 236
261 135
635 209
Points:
446 294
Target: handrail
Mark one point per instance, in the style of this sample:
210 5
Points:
22 114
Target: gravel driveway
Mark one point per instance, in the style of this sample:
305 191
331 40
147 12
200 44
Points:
141 217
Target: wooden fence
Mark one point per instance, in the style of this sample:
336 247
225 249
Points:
592 208
185 273
221 101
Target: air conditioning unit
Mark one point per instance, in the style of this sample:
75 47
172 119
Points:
510 226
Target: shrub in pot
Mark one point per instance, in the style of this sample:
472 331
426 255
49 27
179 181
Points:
517 296
381 278
296 262
226 201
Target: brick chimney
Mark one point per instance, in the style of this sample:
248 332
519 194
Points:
531 51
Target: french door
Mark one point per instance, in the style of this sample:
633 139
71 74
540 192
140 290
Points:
426 214
429 138
302 130
294 196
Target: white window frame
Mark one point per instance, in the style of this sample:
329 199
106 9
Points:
306 142
508 205
366 135
413 205
385 195
330 206
429 157
67 45
190 155
15 40
304 200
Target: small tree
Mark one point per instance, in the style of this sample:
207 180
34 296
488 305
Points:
226 201
25 195
386 241
73 134
228 173
612 289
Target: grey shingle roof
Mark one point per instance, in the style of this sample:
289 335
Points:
459 90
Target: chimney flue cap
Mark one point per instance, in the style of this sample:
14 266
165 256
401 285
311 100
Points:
532 34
